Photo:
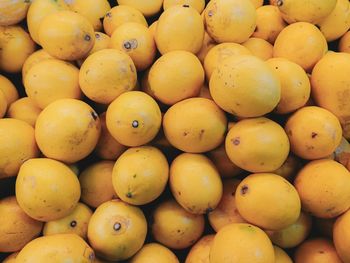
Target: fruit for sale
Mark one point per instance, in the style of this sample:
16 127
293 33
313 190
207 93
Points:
24 109
222 26
301 11
57 248
226 212
314 132
13 11
16 46
154 252
207 45
201 250
241 243
45 86
269 23
11 258
106 74
134 118
33 59
344 43
337 22
176 76
292 235
17 144
3 104
219 53
147 8
66 35
251 89
39 10
117 230
223 164
144 180
196 4
93 10
107 147
174 227
67 130
281 256
195 183
333 70
295 85
289 169
16 227
284 202
119 15
75 223
320 196
259 48
195 125
47 189
9 90
179 28
316 250
137 41
301 43
341 236
96 183
271 145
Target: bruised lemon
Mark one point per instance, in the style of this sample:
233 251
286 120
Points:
66 35
16 46
145 180
179 28
195 125
117 230
245 86
75 223
119 15
17 144
56 249
226 212
137 41
313 132
174 227
313 186
154 252
257 145
195 183
134 118
301 43
16 227
241 243
175 76
45 86
283 201
96 183
47 189
106 74
230 21
67 130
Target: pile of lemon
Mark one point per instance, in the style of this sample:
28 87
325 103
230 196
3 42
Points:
172 131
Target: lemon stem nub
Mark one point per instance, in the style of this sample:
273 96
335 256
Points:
117 226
